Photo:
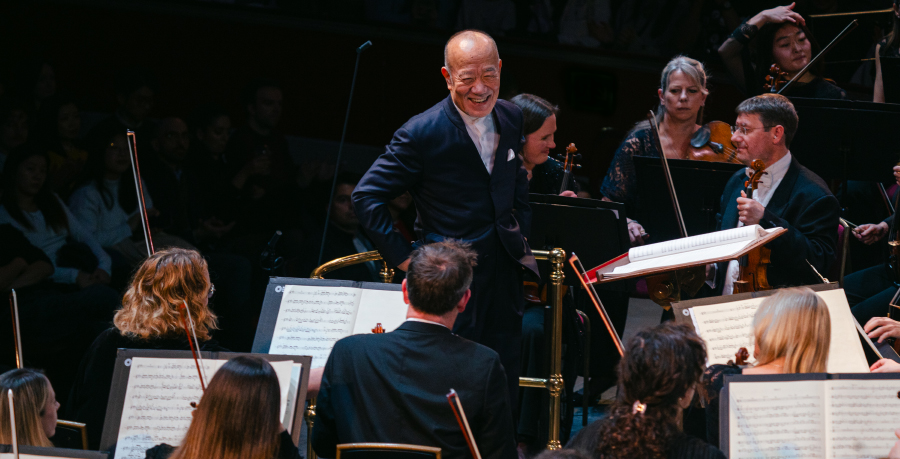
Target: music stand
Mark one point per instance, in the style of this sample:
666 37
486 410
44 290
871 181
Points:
890 77
846 140
593 229
699 186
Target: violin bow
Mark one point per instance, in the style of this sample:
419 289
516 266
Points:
188 324
456 406
595 298
17 333
139 188
12 424
821 54
665 164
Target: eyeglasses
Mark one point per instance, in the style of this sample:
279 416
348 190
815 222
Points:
212 291
744 130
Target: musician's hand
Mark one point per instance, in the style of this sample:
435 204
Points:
895 451
897 174
750 212
569 194
885 366
778 15
882 328
636 233
870 233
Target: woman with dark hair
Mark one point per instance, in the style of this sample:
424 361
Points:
782 39
237 418
888 49
545 174
30 206
148 319
58 130
35 405
657 378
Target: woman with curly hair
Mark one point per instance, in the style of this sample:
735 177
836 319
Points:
149 319
36 408
657 376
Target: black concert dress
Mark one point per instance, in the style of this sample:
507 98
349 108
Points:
620 183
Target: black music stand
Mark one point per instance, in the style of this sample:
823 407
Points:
845 140
593 229
890 77
699 186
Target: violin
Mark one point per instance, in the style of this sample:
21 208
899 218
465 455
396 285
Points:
775 80
753 276
378 329
741 357
712 143
569 163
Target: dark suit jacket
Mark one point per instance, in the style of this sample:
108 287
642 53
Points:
393 388
433 157
803 204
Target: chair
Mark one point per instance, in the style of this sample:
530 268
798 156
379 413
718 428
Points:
66 431
386 451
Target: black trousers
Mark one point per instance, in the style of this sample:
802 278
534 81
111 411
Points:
869 291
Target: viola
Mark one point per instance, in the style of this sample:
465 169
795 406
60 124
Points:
754 268
378 329
712 143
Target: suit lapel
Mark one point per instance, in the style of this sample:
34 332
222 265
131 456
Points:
509 140
783 193
472 155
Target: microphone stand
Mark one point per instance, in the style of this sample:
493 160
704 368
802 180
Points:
337 165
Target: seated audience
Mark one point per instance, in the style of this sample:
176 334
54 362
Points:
791 334
35 406
35 80
135 89
237 418
58 130
392 387
210 128
657 376
148 319
13 127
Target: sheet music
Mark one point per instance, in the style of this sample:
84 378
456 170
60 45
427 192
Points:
718 238
158 396
380 306
311 319
845 355
861 417
726 328
776 420
32 456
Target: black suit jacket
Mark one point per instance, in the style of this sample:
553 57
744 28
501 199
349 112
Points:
433 157
804 205
393 388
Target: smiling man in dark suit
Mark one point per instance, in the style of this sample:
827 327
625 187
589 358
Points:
789 196
392 387
459 160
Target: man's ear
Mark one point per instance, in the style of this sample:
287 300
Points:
461 306
446 72
777 134
405 291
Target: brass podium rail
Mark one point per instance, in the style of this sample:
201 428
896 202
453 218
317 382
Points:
554 383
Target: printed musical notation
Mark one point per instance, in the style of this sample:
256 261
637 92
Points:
726 328
860 417
311 319
157 410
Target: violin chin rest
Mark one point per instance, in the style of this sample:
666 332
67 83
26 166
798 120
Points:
701 137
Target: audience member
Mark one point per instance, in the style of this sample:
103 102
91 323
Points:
13 127
135 90
791 334
344 237
149 319
34 80
58 130
657 376
404 376
35 408
237 418
210 129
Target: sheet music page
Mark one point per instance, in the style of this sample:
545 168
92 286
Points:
861 417
691 257
730 236
380 306
311 318
726 328
32 456
158 396
846 354
783 419
287 418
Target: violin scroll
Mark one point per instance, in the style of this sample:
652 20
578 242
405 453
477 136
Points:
741 357
378 328
570 162
775 79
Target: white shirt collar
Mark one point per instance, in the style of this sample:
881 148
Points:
413 319
775 172
468 119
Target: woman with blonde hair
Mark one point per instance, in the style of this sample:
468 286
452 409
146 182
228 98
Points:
791 334
149 319
682 94
35 404
237 418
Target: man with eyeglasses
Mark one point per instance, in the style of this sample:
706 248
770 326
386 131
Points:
788 196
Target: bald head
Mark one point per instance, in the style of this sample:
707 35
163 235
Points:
472 71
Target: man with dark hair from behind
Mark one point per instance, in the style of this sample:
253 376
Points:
135 90
392 387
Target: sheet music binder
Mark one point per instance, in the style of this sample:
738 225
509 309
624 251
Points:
272 303
37 451
122 371
724 399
